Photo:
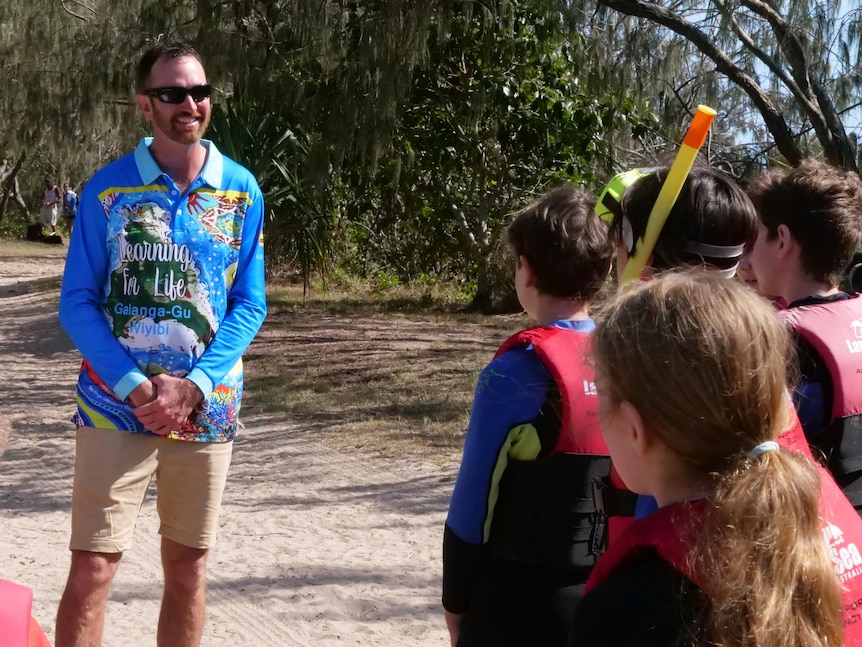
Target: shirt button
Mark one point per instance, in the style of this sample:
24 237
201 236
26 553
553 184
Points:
179 212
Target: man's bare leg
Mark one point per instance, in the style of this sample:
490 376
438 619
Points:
81 616
181 621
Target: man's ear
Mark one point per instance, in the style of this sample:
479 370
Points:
639 436
145 105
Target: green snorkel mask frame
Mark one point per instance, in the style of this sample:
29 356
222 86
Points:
609 199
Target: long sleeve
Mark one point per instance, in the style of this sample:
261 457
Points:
82 299
509 393
246 308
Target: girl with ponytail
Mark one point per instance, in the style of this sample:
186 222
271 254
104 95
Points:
752 545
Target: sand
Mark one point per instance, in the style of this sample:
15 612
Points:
316 546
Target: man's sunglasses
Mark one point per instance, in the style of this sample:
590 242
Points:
176 94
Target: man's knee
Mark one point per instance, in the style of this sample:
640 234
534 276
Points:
184 567
92 571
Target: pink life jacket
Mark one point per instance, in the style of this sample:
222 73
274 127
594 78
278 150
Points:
17 627
834 331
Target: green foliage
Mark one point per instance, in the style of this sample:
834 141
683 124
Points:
300 222
494 119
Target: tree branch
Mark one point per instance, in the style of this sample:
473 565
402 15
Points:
818 106
772 116
72 13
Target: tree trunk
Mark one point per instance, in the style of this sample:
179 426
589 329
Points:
9 187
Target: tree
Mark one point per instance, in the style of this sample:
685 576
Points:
494 119
797 64
275 154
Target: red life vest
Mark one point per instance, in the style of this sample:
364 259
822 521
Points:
834 331
793 440
672 531
545 513
564 353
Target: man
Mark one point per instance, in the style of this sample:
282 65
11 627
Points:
70 206
164 293
50 200
810 227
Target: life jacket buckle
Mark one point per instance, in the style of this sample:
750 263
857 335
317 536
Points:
599 534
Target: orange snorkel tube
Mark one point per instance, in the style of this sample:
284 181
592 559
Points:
678 172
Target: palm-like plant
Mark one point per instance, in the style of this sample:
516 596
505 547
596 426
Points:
299 220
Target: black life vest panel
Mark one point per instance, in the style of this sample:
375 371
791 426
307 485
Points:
834 331
545 513
672 531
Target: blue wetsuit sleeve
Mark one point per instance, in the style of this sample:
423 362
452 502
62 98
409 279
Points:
510 391
246 308
82 299
810 407
645 506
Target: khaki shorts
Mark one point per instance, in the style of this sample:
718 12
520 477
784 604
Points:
113 469
48 216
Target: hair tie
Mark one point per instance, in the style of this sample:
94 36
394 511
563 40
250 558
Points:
762 448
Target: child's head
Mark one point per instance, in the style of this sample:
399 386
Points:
820 207
690 371
701 359
708 226
565 243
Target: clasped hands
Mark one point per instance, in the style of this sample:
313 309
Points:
164 403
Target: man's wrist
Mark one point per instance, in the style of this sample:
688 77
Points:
195 394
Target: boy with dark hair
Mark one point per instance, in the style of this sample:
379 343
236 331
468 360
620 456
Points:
810 226
518 542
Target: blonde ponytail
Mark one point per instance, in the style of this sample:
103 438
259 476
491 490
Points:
704 362
762 552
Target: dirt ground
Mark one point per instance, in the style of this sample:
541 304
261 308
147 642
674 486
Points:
319 545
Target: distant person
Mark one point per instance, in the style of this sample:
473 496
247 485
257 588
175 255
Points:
70 206
17 626
164 291
520 534
752 544
50 200
810 228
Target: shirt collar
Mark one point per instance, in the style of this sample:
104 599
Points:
149 170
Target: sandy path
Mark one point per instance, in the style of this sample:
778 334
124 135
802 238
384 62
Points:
316 547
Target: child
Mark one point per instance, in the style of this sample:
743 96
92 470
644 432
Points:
810 227
518 539
752 545
708 227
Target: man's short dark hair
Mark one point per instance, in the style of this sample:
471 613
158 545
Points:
821 206
173 49
565 242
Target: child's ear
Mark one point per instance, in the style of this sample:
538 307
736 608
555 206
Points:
527 269
786 242
639 436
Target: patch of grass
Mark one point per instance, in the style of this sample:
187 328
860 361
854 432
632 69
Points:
350 295
15 248
371 371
